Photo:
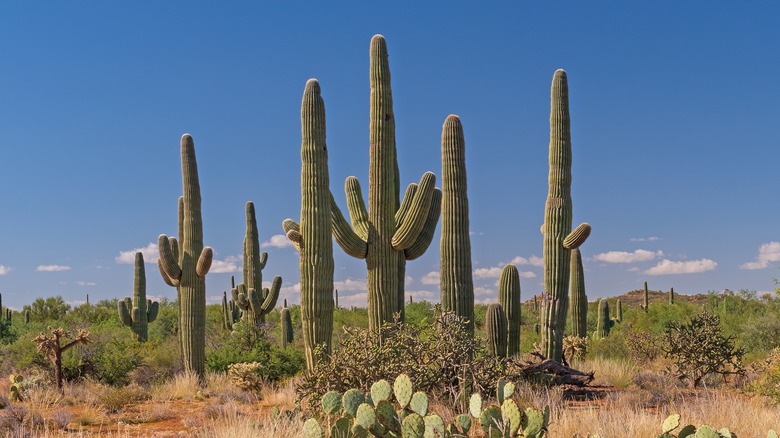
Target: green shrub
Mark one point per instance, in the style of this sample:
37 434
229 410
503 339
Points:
246 344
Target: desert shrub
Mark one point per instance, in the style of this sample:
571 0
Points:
161 361
760 333
109 359
698 348
766 377
440 357
246 344
643 346
246 376
611 347
114 399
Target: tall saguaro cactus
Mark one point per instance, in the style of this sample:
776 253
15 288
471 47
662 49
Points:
579 301
457 284
646 305
559 239
184 264
138 312
391 231
254 300
312 236
509 298
671 296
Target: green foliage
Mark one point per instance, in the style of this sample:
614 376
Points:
767 382
246 344
698 348
672 423
48 309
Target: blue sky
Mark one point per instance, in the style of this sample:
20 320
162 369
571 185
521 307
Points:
675 134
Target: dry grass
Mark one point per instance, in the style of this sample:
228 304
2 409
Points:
615 373
620 416
184 386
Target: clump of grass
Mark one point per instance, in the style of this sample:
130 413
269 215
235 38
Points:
112 399
183 386
619 373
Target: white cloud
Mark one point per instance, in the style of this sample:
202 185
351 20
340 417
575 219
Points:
493 272
408 280
277 241
228 265
532 261
431 278
150 252
668 267
644 239
85 283
350 285
640 255
527 274
51 268
767 253
5 270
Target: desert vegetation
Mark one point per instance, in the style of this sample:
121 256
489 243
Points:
647 363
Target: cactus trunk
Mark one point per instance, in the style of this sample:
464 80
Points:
509 299
671 296
313 236
390 232
646 305
188 271
287 327
603 323
559 238
579 301
457 284
496 330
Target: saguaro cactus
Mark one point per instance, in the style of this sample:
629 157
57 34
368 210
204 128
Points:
619 311
313 236
138 312
603 323
559 238
391 231
496 330
184 264
256 301
579 301
509 298
287 327
646 305
671 296
457 285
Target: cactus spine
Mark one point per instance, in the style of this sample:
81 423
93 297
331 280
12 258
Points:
559 238
185 264
646 304
671 296
457 285
509 299
390 232
579 301
496 330
619 311
313 236
603 323
138 312
287 327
